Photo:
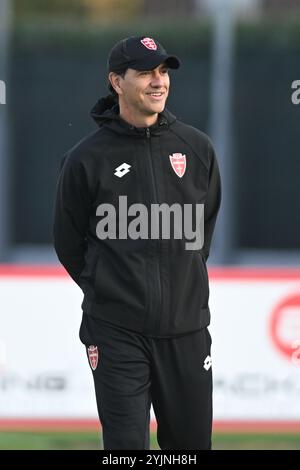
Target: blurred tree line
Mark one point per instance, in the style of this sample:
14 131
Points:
100 10
57 72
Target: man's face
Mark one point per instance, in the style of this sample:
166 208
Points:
145 91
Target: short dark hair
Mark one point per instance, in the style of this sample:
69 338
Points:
110 87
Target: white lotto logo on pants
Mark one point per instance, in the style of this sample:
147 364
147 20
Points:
207 363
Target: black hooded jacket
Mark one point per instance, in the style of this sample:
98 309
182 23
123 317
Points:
152 286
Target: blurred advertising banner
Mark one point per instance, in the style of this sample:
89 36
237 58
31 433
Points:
256 344
43 365
255 328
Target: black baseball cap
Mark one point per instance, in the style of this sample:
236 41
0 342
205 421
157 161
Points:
139 53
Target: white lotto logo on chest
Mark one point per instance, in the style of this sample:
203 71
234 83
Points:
122 170
178 162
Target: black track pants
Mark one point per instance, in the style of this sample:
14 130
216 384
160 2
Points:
133 371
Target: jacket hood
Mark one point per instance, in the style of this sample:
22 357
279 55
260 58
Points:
106 113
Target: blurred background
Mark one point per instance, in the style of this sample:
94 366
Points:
238 84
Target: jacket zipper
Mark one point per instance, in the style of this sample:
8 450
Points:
157 263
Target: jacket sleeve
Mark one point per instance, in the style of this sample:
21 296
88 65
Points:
212 202
71 217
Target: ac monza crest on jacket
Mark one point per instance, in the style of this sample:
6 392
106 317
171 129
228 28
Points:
93 356
149 43
178 162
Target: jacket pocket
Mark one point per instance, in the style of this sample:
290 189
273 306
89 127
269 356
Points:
119 278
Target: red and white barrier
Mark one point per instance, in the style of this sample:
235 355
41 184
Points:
46 382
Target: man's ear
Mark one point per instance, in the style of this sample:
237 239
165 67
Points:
115 79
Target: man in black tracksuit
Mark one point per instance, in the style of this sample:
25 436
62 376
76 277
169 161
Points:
145 306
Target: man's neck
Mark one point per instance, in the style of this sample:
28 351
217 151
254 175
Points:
137 120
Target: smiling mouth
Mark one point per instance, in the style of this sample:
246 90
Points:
156 95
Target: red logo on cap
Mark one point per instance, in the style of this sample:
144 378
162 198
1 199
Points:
93 356
149 43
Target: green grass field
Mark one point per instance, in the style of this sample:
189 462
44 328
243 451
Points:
91 441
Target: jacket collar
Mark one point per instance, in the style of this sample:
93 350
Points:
106 113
